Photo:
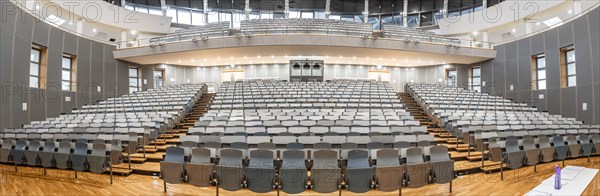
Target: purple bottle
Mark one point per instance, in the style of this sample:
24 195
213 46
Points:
557 178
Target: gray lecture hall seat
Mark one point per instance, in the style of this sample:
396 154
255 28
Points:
17 154
389 174
561 150
586 145
61 157
78 157
596 143
171 168
514 155
532 154
441 165
325 172
260 173
31 154
200 169
7 145
574 146
293 174
230 170
359 173
547 149
417 170
98 160
47 154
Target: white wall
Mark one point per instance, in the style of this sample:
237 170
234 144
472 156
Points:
398 75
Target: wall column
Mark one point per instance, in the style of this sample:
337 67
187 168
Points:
327 8
576 6
123 39
163 7
484 5
445 9
485 39
528 27
366 12
80 26
206 11
287 9
405 14
247 9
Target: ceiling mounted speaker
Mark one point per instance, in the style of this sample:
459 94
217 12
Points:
306 66
296 66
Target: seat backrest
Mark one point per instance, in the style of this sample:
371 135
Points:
49 146
358 159
512 145
64 147
293 159
439 153
349 146
231 158
174 154
81 148
558 141
584 139
261 159
294 146
543 141
34 146
375 145
325 159
414 155
387 157
322 145
528 143
99 149
571 139
200 155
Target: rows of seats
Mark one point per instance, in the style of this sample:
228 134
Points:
517 135
415 35
294 169
335 131
305 25
216 29
74 141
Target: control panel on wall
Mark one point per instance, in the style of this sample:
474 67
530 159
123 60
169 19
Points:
306 70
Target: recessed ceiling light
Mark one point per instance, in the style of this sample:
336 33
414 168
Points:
205 59
55 20
231 58
553 21
570 11
475 32
258 56
133 32
94 30
193 60
179 61
514 30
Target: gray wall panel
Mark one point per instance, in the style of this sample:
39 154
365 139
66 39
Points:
40 33
24 26
511 70
569 102
56 39
6 40
537 44
37 112
552 59
499 73
565 33
553 97
585 95
21 62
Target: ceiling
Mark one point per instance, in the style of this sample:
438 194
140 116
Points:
283 54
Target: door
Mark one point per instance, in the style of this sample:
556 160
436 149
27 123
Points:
380 75
233 75
159 78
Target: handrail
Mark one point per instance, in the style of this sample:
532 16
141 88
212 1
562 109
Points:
543 30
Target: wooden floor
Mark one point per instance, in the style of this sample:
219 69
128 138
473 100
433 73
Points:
31 181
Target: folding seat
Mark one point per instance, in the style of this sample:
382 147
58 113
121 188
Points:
325 173
293 174
359 174
282 140
31 154
260 172
61 157
514 155
17 154
254 140
334 139
343 123
586 145
358 139
417 171
389 174
200 169
532 154
441 165
298 130
340 129
360 130
574 146
289 123
47 154
98 160
548 151
254 130
276 130
78 158
327 123
561 150
230 170
401 130
172 166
